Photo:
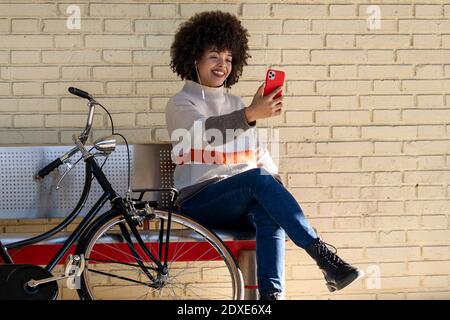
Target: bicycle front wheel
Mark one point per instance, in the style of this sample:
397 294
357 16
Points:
200 265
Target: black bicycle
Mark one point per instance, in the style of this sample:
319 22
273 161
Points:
135 250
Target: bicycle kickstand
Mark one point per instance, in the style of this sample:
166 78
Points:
74 267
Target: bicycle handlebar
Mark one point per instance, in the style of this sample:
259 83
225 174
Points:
82 138
49 168
80 93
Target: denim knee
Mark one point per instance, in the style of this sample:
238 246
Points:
257 177
260 175
259 172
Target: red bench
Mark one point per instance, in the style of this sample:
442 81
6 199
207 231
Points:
241 244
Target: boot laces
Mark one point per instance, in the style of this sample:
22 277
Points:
329 255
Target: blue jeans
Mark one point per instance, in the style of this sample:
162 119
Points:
255 199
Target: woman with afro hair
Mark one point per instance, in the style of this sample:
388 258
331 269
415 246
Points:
225 177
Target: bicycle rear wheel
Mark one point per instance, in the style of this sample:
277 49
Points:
200 265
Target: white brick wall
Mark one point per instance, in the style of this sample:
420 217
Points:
364 134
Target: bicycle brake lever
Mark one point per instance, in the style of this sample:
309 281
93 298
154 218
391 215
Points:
70 167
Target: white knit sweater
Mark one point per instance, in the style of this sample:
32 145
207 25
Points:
207 160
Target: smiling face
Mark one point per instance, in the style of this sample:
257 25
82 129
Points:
214 67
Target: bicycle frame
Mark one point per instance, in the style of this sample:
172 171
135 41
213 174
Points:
118 204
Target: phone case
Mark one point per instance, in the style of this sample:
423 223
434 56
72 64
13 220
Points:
274 79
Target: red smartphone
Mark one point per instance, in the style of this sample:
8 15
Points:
274 79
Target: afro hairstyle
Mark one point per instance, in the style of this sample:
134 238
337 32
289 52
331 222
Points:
209 30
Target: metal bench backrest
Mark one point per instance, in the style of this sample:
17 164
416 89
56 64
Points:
22 197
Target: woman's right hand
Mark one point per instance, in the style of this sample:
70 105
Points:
264 106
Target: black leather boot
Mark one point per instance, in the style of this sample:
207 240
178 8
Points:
270 296
338 274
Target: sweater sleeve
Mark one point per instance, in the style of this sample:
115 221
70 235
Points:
184 115
233 120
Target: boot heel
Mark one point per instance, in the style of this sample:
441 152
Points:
331 288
